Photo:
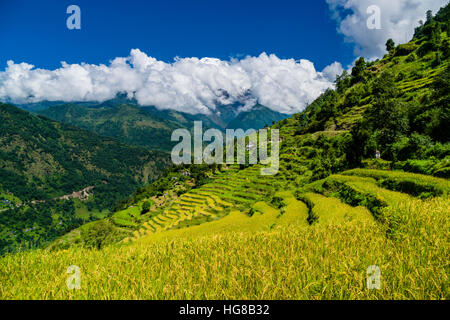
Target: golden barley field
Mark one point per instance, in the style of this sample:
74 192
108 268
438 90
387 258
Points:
257 259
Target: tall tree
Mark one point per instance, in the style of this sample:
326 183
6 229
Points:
358 69
429 16
390 45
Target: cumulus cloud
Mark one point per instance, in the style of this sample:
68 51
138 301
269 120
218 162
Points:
190 85
333 70
398 18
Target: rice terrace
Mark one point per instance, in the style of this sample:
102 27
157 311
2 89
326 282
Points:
358 207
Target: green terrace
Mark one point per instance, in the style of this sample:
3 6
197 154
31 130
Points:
230 190
245 200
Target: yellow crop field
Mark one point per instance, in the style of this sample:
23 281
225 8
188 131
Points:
296 212
289 262
226 241
333 211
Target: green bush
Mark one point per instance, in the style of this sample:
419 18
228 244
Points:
278 202
435 167
405 49
416 166
410 187
379 164
410 183
99 234
353 197
424 49
146 207
300 196
411 58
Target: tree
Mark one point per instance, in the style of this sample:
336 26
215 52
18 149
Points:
429 16
383 87
355 150
97 235
358 69
390 45
438 59
390 121
342 82
146 207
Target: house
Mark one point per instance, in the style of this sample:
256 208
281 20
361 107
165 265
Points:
273 141
250 146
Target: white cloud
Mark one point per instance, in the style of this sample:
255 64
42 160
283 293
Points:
398 19
333 70
190 85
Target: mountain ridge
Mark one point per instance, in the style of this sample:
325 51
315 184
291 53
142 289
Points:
151 128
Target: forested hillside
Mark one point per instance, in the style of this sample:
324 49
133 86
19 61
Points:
151 128
398 105
42 160
128 123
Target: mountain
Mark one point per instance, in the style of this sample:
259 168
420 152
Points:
258 117
41 159
126 122
149 127
45 104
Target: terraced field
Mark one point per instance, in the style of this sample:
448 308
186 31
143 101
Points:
327 210
240 201
314 243
231 190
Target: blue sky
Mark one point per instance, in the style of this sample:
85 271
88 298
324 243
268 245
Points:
35 31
